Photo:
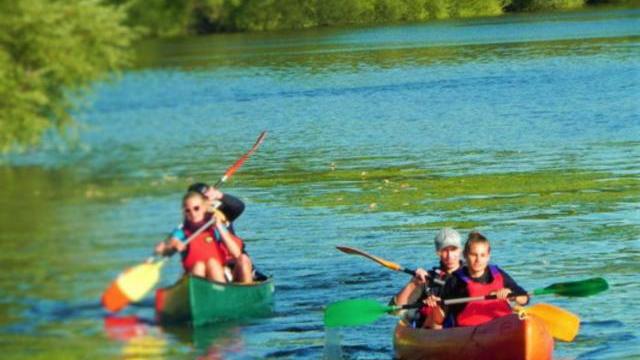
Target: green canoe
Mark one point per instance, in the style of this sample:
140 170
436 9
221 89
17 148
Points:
200 301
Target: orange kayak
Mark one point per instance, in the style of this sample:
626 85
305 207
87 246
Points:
509 338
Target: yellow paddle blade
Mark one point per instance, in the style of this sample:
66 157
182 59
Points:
131 286
139 280
562 324
386 263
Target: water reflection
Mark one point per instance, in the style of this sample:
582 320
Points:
215 341
332 348
144 339
139 338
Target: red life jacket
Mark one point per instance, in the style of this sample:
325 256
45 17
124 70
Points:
203 247
207 245
480 312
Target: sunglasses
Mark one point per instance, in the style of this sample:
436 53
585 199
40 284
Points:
192 210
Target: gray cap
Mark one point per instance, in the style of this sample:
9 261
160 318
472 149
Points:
447 237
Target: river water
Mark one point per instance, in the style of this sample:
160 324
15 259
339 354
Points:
526 128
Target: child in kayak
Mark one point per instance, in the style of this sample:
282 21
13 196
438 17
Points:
427 283
214 248
478 278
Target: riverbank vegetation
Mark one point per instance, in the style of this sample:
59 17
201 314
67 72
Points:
171 18
49 52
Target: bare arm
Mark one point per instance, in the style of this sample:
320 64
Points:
412 291
169 246
514 288
228 240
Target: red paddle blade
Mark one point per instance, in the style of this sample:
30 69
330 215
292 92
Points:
241 161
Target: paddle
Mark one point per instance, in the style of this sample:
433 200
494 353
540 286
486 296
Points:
579 288
240 161
133 284
386 263
562 325
561 322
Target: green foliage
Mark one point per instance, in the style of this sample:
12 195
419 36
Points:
537 5
171 18
215 15
48 52
614 2
469 8
159 17
274 14
416 10
389 10
438 9
342 12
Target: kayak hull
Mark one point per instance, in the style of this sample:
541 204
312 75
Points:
201 301
510 338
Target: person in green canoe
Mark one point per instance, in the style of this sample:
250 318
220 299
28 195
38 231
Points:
217 247
478 278
426 283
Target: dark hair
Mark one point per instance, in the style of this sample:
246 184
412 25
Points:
198 187
191 194
475 238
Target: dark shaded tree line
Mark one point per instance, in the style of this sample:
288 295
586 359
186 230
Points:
169 18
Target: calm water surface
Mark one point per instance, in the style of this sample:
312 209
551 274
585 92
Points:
524 127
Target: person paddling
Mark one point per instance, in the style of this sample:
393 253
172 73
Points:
478 278
213 249
425 283
229 205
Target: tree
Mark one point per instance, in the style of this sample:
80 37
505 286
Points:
50 51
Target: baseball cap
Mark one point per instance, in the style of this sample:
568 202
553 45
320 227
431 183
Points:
447 237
